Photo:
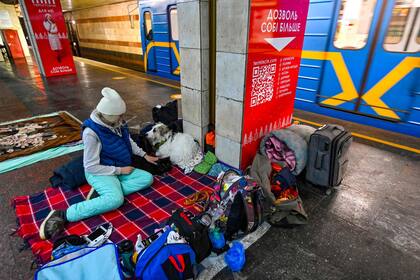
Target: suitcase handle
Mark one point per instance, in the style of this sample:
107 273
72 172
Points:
319 159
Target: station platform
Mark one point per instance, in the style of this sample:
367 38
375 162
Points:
369 228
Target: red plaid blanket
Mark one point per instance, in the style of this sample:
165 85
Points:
141 213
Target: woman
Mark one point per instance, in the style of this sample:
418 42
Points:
108 148
53 37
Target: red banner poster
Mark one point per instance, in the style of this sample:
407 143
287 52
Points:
275 43
47 25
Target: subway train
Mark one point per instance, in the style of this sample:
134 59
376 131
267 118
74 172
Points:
160 38
360 59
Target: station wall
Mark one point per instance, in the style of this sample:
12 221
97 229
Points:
110 33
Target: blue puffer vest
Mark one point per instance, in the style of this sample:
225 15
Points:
116 150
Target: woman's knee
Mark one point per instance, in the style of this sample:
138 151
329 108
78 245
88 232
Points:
148 177
115 201
143 178
138 180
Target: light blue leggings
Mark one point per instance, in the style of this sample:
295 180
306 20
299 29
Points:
111 190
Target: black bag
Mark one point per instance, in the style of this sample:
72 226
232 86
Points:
166 114
237 219
239 208
327 155
176 126
193 231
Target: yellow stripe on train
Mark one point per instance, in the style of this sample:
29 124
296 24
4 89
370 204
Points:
171 45
373 96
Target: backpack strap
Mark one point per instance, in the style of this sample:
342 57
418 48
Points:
227 172
253 208
180 261
199 200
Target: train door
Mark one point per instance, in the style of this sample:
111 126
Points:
389 89
349 47
147 38
364 76
160 37
174 40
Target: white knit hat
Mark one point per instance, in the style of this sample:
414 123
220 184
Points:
111 103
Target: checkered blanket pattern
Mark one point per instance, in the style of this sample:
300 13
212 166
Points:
141 213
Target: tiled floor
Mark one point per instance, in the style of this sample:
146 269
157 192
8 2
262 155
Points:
368 229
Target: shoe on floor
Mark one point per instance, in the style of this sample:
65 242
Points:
92 194
53 224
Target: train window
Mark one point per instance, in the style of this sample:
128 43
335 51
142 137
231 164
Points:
354 23
173 16
403 30
148 25
397 25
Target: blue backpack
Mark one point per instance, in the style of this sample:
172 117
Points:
162 260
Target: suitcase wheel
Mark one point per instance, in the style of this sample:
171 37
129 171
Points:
328 191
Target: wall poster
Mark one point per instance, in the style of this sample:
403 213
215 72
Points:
276 33
49 36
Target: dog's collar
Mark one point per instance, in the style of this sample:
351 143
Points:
157 146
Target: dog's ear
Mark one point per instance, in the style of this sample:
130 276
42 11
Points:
163 130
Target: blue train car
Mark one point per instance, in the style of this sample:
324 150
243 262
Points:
159 37
360 60
361 63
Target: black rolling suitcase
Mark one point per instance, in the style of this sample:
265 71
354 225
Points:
327 156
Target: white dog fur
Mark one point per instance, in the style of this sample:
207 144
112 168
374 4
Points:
179 147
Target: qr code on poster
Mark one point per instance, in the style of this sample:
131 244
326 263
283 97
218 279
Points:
262 84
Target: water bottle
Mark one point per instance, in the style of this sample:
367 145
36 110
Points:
126 250
217 239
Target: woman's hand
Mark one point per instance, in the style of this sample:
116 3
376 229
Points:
126 170
151 159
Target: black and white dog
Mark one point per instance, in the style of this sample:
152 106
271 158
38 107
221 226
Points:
181 148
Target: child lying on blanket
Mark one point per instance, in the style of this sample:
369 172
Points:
108 148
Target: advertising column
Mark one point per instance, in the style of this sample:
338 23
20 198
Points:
276 32
47 28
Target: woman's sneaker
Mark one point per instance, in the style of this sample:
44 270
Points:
53 224
92 194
